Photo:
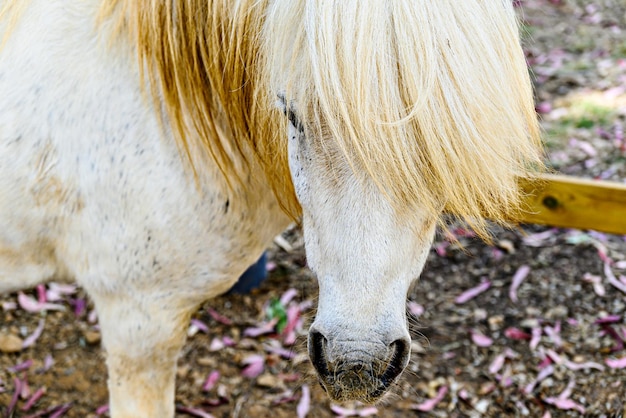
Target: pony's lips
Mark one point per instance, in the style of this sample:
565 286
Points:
350 386
357 375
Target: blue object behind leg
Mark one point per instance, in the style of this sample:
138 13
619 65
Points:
251 278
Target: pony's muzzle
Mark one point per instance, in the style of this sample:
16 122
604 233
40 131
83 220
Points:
357 370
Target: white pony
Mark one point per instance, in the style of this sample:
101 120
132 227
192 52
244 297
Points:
142 155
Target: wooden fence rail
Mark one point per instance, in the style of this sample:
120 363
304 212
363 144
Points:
573 202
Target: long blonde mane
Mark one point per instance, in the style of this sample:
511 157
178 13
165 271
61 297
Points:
430 99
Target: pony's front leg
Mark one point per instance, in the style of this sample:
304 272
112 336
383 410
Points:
142 335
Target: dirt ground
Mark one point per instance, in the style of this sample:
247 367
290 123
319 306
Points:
543 336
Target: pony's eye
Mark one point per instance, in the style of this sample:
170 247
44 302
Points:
293 119
290 113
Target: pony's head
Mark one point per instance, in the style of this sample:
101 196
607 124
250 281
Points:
395 113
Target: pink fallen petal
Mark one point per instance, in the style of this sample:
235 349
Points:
216 344
518 278
25 392
616 363
610 331
20 367
342 412
102 409
264 328
291 337
565 404
430 404
29 304
304 405
583 366
516 334
9 306
219 317
255 365
556 358
554 333
415 309
228 342
48 362
480 339
367 411
211 380
194 412
200 325
596 282
33 399
567 392
497 363
56 291
543 107
440 248
612 279
603 253
80 306
497 254
16 394
538 239
288 296
506 381
352 412
293 315
611 319
306 305
464 233
543 373
464 394
286 397
92 316
620 264
271 266
281 351
32 338
473 292
41 293
60 410
535 338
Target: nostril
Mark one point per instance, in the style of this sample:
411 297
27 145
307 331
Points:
398 361
317 352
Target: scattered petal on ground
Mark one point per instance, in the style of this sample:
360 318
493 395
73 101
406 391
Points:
304 405
430 404
194 412
518 278
616 363
32 338
480 340
255 365
31 305
473 292
211 381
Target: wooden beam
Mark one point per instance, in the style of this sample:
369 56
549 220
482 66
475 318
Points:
573 202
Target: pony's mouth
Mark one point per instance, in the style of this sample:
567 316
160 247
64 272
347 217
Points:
353 386
359 381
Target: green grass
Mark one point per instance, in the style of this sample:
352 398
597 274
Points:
586 114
